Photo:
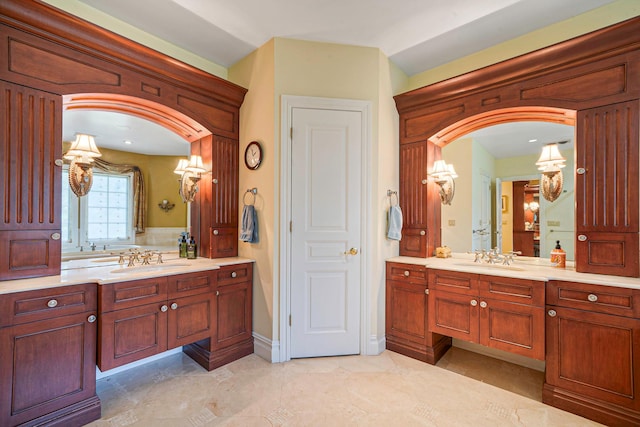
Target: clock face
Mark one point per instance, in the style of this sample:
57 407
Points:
253 155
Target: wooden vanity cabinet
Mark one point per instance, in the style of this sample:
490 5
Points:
593 351
47 357
499 312
406 314
233 301
141 318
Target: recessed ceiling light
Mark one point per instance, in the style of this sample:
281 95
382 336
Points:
126 141
533 140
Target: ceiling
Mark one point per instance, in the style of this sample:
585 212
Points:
416 35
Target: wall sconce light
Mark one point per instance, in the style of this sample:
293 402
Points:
81 154
533 206
189 171
166 205
551 163
444 175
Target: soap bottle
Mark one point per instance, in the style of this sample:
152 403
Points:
558 256
183 247
192 249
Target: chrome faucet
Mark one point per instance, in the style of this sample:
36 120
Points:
93 246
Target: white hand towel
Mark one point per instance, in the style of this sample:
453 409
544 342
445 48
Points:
394 220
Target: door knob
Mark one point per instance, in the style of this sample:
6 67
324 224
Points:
352 251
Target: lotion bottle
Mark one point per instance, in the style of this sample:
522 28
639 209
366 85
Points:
558 256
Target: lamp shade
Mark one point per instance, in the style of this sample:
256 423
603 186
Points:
84 147
195 164
550 158
182 166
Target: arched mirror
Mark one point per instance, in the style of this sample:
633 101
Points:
105 220
498 201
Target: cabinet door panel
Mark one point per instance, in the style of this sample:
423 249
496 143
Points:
515 328
117 296
190 319
521 291
593 355
131 334
233 313
58 353
225 184
406 311
29 253
454 281
224 242
453 315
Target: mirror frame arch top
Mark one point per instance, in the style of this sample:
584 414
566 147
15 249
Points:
593 75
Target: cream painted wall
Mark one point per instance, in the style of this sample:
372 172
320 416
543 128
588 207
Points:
507 218
483 164
457 234
604 16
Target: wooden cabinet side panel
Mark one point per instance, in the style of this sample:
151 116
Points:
610 373
233 313
46 366
406 311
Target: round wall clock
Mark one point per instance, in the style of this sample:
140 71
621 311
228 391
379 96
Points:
253 155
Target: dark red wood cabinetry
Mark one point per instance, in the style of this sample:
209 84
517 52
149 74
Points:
47 363
593 351
406 314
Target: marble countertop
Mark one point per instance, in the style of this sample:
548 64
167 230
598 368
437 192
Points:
539 269
107 270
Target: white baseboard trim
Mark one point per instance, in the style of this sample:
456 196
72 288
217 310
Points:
100 374
265 348
376 345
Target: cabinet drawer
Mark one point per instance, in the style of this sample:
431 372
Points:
115 296
236 273
407 273
192 283
597 298
454 281
23 307
521 291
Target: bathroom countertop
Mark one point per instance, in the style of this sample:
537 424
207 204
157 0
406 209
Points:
539 269
107 270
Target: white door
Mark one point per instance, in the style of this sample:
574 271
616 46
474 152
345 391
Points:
325 232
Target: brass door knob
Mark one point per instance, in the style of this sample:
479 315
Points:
352 251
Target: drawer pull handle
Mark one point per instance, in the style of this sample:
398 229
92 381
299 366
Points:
552 313
422 232
406 273
174 306
164 308
92 318
234 274
474 303
592 297
582 238
52 303
483 304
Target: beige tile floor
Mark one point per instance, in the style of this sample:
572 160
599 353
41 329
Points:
465 389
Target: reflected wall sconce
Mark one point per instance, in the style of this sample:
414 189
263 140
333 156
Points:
444 175
166 205
81 154
190 173
533 206
550 164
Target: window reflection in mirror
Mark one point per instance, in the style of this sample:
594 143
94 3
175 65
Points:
494 166
102 220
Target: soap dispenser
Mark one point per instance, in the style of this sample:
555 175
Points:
192 249
183 247
558 256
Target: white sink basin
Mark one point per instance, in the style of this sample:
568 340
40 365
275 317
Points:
149 268
490 266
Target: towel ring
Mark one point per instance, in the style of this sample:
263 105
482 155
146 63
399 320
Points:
253 192
390 194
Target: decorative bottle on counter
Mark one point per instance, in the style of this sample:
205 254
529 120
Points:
558 256
183 247
192 249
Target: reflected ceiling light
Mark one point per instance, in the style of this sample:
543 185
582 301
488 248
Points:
444 175
550 164
81 154
190 173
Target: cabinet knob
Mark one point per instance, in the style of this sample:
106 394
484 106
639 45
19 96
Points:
422 232
174 306
582 238
581 171
92 318
214 180
164 308
55 236
217 293
406 273
426 291
234 274
552 313
58 162
474 303
215 232
483 304
52 303
424 181
592 297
